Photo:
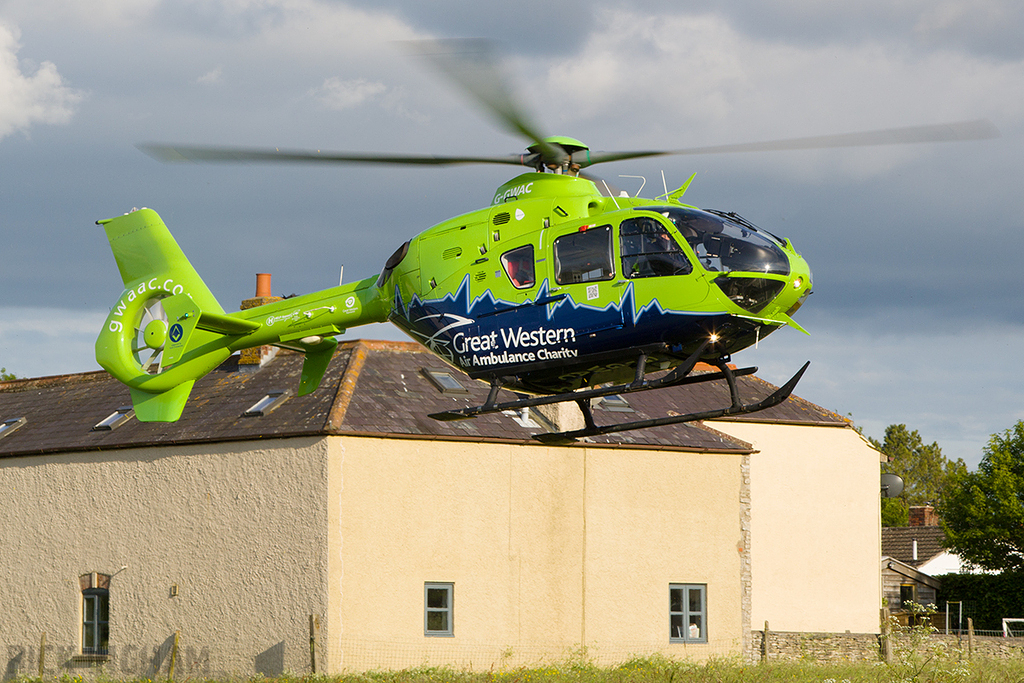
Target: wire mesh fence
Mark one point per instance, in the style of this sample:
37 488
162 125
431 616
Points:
180 657
358 654
952 618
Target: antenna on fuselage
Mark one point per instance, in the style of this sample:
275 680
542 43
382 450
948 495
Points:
610 193
644 183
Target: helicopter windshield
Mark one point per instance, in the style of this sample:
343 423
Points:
648 250
724 245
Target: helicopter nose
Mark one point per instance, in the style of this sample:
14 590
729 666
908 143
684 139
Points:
801 283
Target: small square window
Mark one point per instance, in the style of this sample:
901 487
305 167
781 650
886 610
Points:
115 419
8 426
687 610
518 265
438 612
445 382
614 403
584 256
267 404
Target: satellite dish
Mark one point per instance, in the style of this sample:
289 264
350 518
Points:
892 485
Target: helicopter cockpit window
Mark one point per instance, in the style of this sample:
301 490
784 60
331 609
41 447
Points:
584 256
518 265
648 250
724 245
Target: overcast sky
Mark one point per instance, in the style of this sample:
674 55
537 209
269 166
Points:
917 312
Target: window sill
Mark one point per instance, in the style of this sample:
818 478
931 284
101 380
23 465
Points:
90 659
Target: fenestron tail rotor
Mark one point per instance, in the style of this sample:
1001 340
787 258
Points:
150 337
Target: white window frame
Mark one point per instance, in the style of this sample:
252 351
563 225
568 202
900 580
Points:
447 610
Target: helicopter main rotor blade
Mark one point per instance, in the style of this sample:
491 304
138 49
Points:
475 67
980 129
180 153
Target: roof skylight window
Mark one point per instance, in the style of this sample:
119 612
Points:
8 426
267 404
115 419
445 381
615 403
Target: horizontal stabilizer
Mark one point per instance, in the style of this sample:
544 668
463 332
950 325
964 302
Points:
225 324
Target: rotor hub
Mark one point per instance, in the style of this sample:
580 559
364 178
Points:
155 334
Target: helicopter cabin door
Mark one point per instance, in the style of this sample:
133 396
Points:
658 273
582 278
511 243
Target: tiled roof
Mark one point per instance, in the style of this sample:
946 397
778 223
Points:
370 388
898 543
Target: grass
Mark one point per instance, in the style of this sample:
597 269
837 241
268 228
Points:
660 670
657 669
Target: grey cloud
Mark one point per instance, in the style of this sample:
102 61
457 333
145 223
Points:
528 27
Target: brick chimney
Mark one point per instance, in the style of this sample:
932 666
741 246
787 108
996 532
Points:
923 515
255 358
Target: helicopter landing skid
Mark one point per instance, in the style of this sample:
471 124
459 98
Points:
677 377
737 407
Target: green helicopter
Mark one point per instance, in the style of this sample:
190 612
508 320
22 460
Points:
560 288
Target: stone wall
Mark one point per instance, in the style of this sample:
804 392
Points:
816 647
859 647
993 647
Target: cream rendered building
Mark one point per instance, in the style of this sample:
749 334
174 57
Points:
815 531
227 544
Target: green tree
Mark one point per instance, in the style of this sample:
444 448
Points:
4 375
923 468
983 511
895 512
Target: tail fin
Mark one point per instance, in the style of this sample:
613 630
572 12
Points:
131 346
167 330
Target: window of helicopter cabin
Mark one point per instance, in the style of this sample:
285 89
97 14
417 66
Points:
518 265
95 613
649 250
584 256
